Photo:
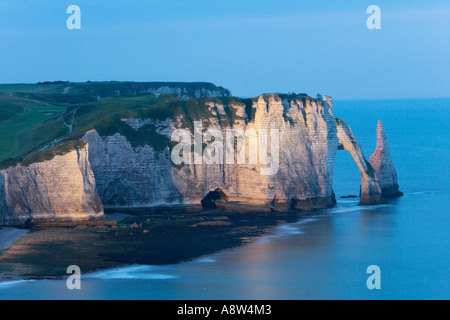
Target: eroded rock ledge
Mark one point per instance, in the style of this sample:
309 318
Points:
110 172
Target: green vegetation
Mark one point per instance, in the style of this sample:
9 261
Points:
17 118
37 133
48 115
23 87
146 135
9 108
50 153
39 121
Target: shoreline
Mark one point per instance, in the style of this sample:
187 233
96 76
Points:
154 237
9 236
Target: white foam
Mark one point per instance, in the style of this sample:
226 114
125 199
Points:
356 208
305 221
141 272
8 284
418 193
205 260
287 229
281 231
347 201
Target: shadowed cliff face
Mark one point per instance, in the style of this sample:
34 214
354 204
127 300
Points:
125 175
128 177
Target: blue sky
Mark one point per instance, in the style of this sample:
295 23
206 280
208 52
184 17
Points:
249 47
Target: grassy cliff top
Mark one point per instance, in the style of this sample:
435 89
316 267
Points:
67 93
38 121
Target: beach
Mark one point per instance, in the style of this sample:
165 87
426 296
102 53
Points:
10 235
158 236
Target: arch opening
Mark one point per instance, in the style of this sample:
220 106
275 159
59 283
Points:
213 198
346 176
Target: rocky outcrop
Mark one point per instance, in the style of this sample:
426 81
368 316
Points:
62 189
370 192
383 165
309 136
294 168
307 144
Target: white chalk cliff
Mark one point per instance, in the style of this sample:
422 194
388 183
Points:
109 171
60 189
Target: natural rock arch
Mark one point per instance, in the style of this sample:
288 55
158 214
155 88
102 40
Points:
370 192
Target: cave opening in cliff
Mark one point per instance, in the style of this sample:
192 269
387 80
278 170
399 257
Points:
211 199
346 175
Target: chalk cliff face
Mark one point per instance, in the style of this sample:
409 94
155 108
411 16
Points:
184 94
110 170
60 189
131 177
307 144
384 167
309 136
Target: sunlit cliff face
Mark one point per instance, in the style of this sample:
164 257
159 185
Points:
285 163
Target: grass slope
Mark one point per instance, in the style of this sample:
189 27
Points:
18 117
34 117
40 121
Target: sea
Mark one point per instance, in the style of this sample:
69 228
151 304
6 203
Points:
325 254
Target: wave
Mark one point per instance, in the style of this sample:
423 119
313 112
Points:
281 231
205 260
7 284
347 201
418 193
356 208
286 230
305 221
139 272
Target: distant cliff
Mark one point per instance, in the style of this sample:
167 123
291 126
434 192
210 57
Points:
183 90
130 168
